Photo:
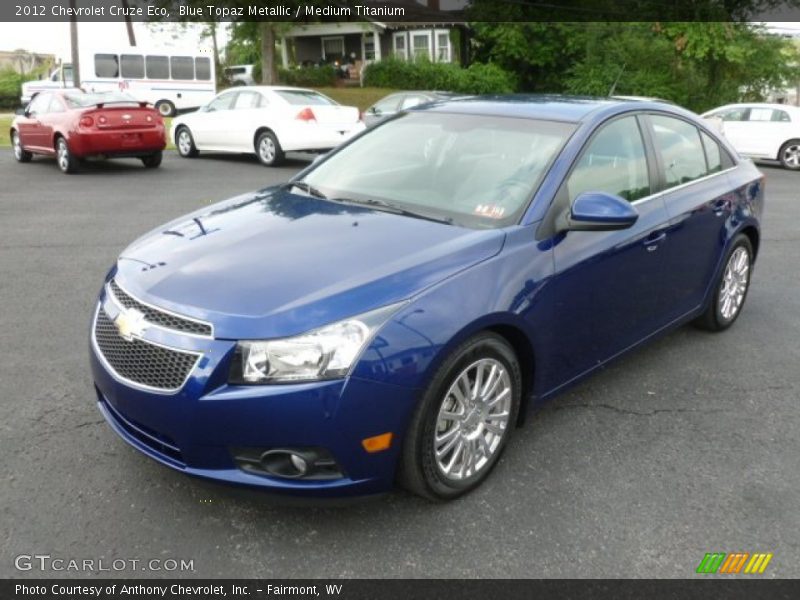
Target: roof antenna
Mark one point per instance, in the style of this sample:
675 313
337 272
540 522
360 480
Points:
616 81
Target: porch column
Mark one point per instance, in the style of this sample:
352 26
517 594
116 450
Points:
376 40
284 53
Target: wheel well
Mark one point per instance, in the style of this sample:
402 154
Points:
783 145
259 131
524 351
178 130
752 234
57 135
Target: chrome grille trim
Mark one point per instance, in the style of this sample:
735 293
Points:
157 316
189 368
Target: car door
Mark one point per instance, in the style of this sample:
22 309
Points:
248 113
32 130
698 201
606 292
766 131
210 125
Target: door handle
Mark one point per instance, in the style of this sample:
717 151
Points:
652 241
719 207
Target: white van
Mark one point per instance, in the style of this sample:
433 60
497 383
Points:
170 79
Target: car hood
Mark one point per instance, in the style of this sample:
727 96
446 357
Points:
274 264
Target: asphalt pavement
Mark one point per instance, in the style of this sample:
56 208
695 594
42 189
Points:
690 445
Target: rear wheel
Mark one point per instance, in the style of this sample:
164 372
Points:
165 108
790 155
463 420
66 161
20 153
269 150
185 143
731 289
153 160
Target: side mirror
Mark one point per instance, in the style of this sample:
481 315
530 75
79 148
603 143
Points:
598 211
22 112
373 111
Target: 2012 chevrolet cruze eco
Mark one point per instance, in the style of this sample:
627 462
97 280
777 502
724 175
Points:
389 313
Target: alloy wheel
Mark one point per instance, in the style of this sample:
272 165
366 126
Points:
63 155
734 283
791 156
184 142
17 146
266 149
473 419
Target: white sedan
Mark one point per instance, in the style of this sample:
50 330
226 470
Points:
268 121
761 131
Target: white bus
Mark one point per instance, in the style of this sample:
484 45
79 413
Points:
170 79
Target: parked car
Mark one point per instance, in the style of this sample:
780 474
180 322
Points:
394 103
761 131
268 121
73 125
393 310
240 75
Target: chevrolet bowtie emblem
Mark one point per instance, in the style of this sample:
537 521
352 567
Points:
130 323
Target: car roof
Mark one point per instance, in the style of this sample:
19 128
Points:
774 105
270 88
537 106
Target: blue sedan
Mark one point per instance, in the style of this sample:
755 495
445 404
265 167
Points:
390 313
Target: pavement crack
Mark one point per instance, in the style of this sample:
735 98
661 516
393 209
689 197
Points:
627 411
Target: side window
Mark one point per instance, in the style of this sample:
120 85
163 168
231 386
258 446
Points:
182 67
388 104
713 153
203 68
223 102
106 65
760 114
40 104
55 105
157 67
613 162
733 114
682 152
247 100
781 116
131 66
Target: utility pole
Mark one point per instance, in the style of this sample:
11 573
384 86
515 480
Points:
73 39
129 24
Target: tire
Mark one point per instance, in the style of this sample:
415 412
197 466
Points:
153 160
64 158
726 304
184 142
20 153
165 108
268 149
443 422
789 155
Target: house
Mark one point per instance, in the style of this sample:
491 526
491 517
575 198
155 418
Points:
24 62
357 39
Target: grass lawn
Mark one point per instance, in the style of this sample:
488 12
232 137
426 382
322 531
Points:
363 98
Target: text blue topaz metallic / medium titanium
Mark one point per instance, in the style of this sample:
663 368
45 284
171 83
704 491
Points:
261 341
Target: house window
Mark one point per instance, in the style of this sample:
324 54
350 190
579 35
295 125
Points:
443 53
400 47
369 49
332 48
421 44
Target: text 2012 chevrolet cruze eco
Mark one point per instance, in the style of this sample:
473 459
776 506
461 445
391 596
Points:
389 313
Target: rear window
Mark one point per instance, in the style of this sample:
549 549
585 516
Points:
182 67
106 65
82 100
305 97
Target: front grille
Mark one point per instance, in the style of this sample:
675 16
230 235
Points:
159 317
142 362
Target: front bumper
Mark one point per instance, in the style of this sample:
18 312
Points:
195 429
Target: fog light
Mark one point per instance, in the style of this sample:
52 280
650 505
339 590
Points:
290 463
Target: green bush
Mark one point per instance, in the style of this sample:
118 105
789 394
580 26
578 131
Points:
425 75
308 76
10 82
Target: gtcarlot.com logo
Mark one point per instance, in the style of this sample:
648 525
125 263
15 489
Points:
46 562
734 563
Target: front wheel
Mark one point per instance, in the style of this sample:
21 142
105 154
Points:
790 155
269 150
731 289
463 420
153 160
66 161
185 143
20 153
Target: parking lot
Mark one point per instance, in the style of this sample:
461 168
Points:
691 445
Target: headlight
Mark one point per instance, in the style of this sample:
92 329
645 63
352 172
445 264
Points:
325 353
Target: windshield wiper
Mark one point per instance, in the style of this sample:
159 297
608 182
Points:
306 187
397 210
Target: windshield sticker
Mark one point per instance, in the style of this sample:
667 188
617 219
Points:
491 211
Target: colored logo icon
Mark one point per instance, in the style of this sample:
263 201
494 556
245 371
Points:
734 563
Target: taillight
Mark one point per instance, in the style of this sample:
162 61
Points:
86 121
306 115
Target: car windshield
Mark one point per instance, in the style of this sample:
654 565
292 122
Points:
473 170
304 97
81 100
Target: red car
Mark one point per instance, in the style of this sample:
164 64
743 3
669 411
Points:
72 125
